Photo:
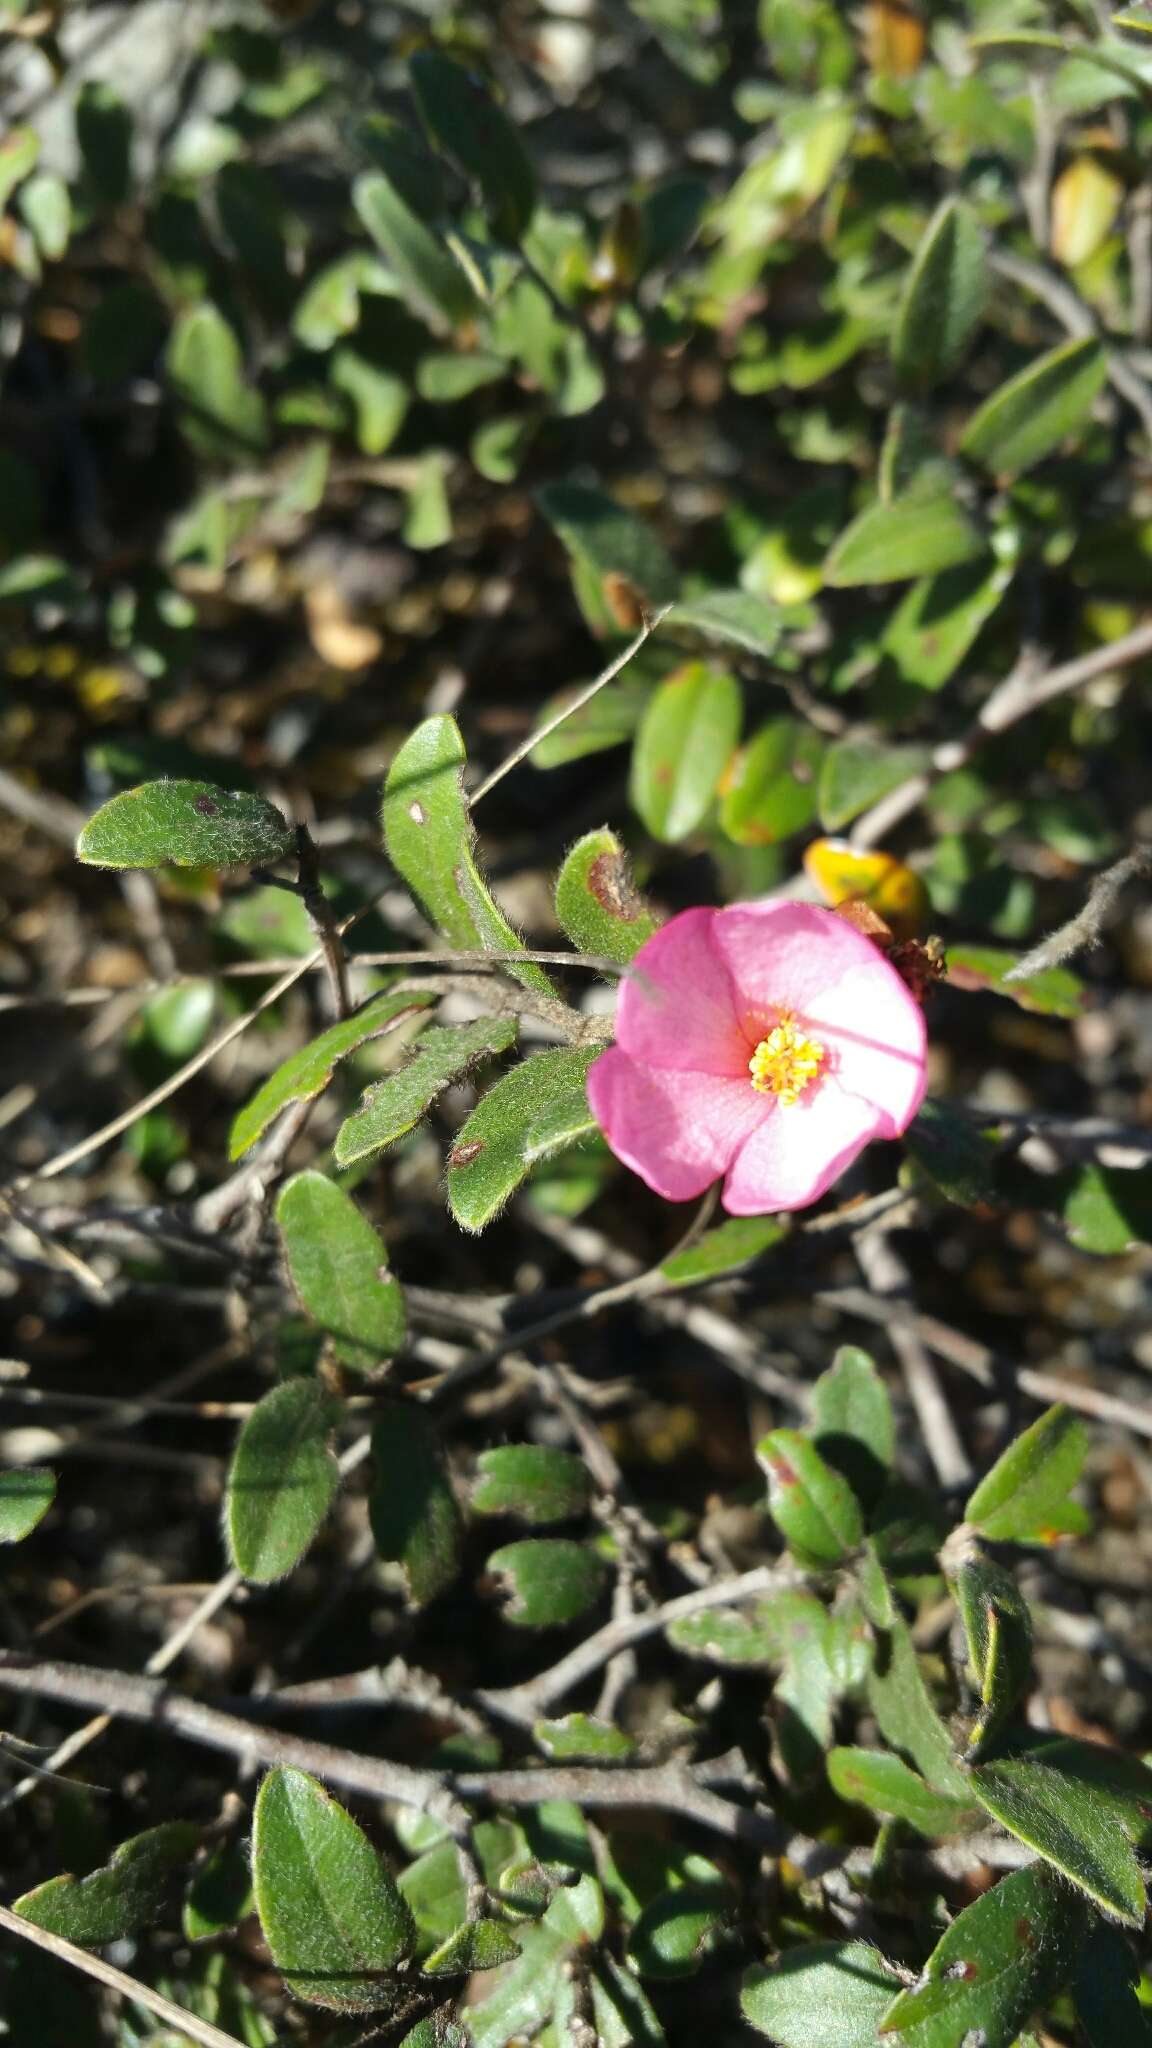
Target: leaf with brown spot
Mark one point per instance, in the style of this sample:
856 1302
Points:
596 902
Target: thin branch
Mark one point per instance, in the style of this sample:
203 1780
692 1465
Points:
324 925
175 2016
888 1278
171 1648
1088 927
980 1363
471 959
578 702
1020 693
668 1788
83 1150
524 1703
1077 319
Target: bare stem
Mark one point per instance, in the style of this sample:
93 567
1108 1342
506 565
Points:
175 2016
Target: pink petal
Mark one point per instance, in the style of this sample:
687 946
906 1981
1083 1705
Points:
677 1131
799 1151
782 955
800 957
677 1010
873 1028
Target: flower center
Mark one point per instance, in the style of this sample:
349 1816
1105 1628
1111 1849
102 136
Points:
786 1063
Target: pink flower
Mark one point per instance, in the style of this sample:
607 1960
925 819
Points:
768 1042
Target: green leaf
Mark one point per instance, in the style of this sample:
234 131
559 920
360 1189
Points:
1109 1209
435 2032
499 446
282 1480
104 138
1002 1957
222 412
814 1509
937 622
597 903
548 1581
330 305
307 1073
530 1114
582 1735
905 1714
411 1505
530 1989
378 399
444 376
824 1992
184 825
686 738
428 517
411 168
18 153
998 1628
1054 992
610 542
1025 1497
438 286
391 1107
943 298
857 773
1038 409
333 1919
735 618
434 1885
608 719
953 1152
534 1482
429 836
219 1895
478 1945
911 536
724 1249
339 1269
127 1893
885 1785
680 1931
26 1494
853 1426
1107 1974
733 1638
465 120
770 788
1120 1784
1067 1824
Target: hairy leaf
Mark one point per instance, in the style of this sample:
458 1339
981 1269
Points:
184 825
281 1481
332 1917
529 1115
392 1107
340 1270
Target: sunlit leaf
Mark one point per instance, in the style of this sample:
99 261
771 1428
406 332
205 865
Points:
1035 411
339 1269
429 835
306 1074
944 296
282 1480
597 902
529 1115
1001 1958
333 1919
184 824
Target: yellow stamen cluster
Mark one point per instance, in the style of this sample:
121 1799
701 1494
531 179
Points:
786 1063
